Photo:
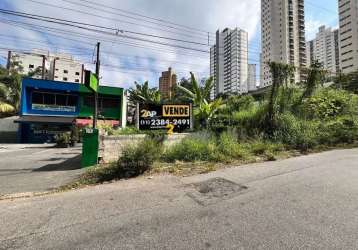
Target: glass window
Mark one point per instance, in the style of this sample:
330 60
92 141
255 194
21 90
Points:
72 100
65 71
65 79
61 100
37 98
88 101
77 73
31 66
49 99
108 102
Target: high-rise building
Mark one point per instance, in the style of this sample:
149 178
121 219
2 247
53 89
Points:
348 29
283 35
309 52
50 66
251 82
325 49
167 82
229 62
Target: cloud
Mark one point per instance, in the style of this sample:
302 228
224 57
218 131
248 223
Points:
312 27
122 63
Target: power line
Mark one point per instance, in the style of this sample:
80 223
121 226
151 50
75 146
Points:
76 24
72 33
188 34
321 7
96 4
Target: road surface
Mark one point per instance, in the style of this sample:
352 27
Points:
309 202
36 168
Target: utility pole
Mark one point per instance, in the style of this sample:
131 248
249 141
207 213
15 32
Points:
95 117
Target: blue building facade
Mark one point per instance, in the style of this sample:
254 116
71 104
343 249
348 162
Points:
49 108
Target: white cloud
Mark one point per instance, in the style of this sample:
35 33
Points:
208 15
312 27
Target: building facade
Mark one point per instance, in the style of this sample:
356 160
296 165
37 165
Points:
50 66
49 108
229 62
348 33
251 82
167 82
283 36
325 49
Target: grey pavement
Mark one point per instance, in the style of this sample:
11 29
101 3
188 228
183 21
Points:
310 202
36 168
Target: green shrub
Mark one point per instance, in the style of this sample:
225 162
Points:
206 147
340 130
228 147
200 147
63 139
239 103
297 133
327 104
137 159
263 148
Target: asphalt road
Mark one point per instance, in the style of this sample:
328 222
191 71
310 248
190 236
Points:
36 168
309 202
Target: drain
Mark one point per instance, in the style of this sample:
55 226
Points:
214 190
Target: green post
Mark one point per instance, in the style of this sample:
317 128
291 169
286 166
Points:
90 148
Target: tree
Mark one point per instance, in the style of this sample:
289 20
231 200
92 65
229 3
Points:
281 75
10 86
144 94
198 95
315 76
178 95
347 82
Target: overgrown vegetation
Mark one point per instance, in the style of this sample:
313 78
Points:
290 120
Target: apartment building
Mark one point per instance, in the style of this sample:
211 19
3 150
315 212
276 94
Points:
310 52
251 82
28 63
283 35
325 49
229 62
66 69
51 66
348 32
167 82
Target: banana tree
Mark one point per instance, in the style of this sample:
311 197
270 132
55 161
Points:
204 110
142 93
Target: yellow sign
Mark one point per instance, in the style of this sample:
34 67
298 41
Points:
170 128
176 110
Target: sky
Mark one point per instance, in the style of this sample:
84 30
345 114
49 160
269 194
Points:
127 56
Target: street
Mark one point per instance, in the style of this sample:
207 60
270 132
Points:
36 168
308 202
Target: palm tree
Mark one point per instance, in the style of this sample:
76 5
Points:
144 94
204 110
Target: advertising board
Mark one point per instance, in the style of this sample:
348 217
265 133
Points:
174 117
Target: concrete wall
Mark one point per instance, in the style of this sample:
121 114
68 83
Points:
8 130
111 147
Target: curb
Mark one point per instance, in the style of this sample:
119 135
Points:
23 195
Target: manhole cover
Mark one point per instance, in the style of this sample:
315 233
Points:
214 190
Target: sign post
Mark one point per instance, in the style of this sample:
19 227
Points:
90 148
90 136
